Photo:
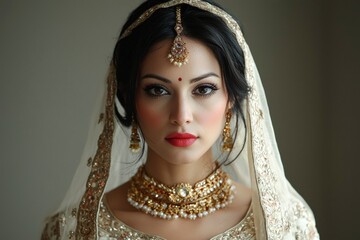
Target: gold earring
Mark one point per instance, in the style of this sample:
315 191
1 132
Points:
227 138
134 138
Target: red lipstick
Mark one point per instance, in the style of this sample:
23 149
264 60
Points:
181 139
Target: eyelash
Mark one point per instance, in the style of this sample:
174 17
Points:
149 90
213 88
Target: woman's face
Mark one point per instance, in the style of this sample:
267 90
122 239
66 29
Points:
181 110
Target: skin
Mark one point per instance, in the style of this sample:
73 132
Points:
197 104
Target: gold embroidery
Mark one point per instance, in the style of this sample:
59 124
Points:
300 223
243 231
86 220
195 3
111 227
265 176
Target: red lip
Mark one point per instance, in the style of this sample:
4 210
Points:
181 139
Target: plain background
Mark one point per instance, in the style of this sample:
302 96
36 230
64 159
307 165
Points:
54 53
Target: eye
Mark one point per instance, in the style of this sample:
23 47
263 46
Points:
205 90
156 90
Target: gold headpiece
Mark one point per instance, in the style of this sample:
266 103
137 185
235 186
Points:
178 54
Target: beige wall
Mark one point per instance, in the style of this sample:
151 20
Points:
342 76
54 54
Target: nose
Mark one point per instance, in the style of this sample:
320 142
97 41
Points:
181 113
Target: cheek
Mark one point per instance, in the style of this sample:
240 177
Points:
148 115
214 116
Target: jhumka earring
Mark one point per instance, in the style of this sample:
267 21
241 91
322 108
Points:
228 142
178 54
134 138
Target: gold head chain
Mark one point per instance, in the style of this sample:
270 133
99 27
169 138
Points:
178 54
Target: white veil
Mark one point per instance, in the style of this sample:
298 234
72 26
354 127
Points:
279 211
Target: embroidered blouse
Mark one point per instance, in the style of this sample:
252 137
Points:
111 228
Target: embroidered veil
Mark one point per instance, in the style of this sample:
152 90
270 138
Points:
279 211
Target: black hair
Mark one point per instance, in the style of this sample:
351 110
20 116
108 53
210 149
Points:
198 24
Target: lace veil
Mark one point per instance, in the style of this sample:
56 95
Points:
279 211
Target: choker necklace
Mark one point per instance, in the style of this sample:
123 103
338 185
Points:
181 200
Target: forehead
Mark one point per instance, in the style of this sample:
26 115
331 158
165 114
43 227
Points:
201 60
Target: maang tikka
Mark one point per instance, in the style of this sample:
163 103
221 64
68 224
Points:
134 138
178 54
228 142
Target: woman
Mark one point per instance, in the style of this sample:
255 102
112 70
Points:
183 78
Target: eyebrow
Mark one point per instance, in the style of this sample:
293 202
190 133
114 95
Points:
165 80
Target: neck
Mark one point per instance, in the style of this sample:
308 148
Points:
171 174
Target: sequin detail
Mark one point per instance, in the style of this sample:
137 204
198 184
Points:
89 205
112 228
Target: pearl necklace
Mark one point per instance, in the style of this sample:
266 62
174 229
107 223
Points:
181 200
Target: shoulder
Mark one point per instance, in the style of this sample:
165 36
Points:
301 219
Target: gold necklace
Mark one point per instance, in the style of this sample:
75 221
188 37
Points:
181 200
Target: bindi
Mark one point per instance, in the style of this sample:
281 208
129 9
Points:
179 79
